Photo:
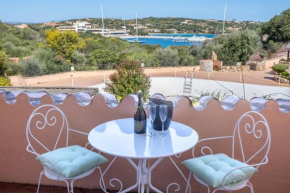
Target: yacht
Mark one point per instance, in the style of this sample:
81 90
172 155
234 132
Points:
197 39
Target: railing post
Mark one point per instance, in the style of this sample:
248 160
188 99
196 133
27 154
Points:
175 71
72 75
72 80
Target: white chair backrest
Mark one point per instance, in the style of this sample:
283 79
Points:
252 123
46 117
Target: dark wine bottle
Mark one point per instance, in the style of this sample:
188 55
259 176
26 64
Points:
140 123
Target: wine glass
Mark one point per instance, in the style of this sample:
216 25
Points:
152 116
163 115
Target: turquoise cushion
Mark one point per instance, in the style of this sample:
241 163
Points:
73 160
211 169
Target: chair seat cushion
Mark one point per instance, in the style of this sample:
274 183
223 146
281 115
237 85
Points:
211 169
73 160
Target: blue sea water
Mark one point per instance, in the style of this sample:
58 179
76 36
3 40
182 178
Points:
169 42
163 42
186 35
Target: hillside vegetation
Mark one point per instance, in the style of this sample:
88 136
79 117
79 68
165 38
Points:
45 50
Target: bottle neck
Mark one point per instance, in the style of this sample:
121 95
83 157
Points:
140 104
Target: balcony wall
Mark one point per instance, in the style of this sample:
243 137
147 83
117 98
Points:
211 119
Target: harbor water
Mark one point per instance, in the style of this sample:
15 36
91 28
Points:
165 40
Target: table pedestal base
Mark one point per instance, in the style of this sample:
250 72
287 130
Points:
143 172
143 176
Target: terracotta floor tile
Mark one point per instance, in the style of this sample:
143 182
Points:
21 188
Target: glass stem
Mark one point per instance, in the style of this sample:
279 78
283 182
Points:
162 127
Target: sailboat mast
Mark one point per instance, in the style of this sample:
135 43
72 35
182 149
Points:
224 18
137 27
103 30
124 21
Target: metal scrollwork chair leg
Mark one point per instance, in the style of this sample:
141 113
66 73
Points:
188 182
67 185
40 176
251 187
72 186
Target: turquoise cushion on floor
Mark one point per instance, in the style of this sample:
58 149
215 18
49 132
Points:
73 160
211 169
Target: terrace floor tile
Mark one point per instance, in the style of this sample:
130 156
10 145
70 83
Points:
23 188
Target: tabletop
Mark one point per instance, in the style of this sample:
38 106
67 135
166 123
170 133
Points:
117 138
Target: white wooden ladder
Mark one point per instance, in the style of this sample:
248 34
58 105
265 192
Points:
187 87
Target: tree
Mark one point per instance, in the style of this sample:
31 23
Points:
63 43
2 63
273 47
30 67
240 46
278 28
104 59
144 57
50 62
235 47
79 60
29 34
167 57
129 79
188 60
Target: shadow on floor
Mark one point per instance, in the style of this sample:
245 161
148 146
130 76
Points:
23 188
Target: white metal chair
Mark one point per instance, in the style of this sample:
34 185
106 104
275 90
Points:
46 116
251 123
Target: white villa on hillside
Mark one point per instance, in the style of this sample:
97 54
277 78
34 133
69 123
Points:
84 26
186 22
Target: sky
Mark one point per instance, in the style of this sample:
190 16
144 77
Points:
56 10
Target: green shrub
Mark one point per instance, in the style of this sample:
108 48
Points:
284 73
16 51
129 79
104 59
30 67
167 57
4 81
3 67
79 60
235 47
263 55
280 67
283 60
12 69
149 60
188 60
88 68
273 47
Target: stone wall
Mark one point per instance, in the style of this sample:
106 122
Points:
234 68
281 80
257 66
206 65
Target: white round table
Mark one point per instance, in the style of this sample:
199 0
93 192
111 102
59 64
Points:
117 138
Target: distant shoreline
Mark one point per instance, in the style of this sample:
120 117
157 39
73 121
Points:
153 37
158 37
174 34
